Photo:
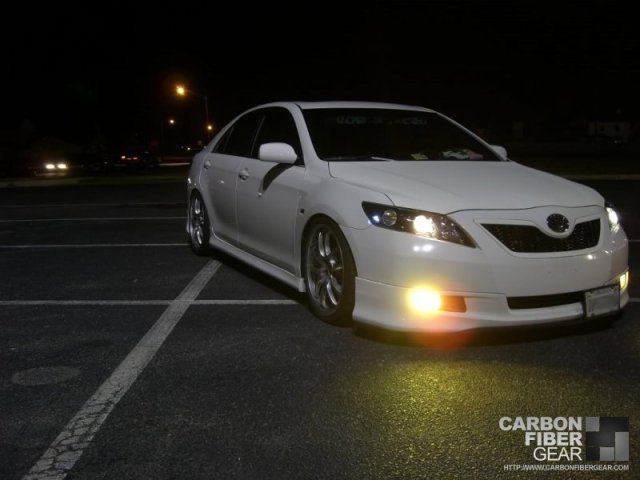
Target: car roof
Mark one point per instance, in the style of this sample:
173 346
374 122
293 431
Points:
305 105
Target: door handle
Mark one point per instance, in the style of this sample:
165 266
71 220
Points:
244 174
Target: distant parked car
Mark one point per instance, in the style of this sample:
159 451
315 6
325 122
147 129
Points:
138 159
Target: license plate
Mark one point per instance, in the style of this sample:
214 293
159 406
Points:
602 301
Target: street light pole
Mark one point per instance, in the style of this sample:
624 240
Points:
182 91
206 112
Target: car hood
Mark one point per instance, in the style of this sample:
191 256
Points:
447 187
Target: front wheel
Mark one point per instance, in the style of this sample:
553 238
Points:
329 273
199 230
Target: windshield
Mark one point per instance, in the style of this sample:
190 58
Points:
362 134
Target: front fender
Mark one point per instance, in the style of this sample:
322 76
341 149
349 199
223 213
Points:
337 200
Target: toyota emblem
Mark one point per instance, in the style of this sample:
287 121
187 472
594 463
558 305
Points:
558 223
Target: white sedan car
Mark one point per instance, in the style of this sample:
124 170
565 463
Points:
398 217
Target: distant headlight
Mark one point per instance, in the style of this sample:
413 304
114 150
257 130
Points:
62 166
50 166
426 224
612 215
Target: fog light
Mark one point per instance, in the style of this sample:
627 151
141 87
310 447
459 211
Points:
424 301
624 281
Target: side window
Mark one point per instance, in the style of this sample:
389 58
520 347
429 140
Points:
239 140
222 143
278 126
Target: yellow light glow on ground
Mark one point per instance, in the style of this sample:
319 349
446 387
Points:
424 300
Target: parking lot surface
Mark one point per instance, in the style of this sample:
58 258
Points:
123 355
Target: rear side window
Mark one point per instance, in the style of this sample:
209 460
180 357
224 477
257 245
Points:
240 137
278 126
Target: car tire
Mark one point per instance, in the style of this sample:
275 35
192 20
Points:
199 227
329 272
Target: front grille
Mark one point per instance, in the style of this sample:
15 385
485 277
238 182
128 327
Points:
542 301
530 239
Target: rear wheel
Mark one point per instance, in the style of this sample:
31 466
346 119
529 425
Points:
329 273
199 228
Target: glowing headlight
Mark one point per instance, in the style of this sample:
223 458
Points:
426 224
612 216
62 166
50 166
614 221
624 281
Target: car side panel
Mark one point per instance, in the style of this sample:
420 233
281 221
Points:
267 204
219 181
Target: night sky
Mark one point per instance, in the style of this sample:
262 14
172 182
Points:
111 67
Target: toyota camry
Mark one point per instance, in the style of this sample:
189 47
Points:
398 217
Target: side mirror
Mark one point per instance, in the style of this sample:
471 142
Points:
500 150
277 153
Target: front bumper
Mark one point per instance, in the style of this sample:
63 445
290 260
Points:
388 307
391 264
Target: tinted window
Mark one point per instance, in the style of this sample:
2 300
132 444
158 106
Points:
241 136
222 143
351 134
278 126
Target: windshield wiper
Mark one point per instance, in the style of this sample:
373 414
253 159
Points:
358 158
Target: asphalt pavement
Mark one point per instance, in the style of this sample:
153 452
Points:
123 355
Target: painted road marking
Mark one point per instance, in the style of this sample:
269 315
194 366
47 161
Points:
67 205
89 219
133 303
96 245
76 436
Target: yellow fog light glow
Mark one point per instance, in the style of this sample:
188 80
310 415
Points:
424 226
424 300
624 281
50 166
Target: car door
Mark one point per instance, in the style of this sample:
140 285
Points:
268 193
221 168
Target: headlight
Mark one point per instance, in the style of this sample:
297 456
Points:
612 215
426 224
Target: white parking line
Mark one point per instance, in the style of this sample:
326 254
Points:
76 436
133 303
88 219
95 245
80 205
